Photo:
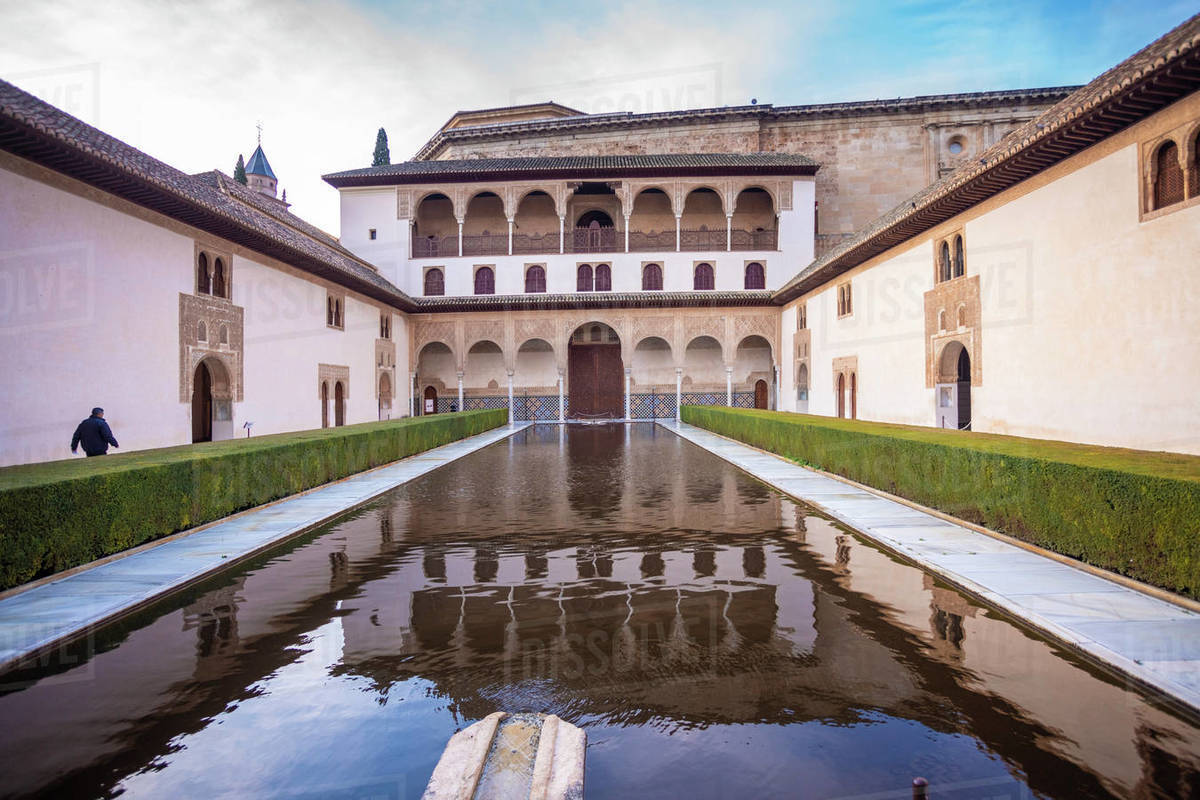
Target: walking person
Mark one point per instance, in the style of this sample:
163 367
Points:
94 434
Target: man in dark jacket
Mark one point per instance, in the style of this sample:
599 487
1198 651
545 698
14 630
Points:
94 434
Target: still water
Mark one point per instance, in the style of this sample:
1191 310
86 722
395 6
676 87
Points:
714 639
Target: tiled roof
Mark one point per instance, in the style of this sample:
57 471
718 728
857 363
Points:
576 166
762 111
37 131
581 300
1148 81
258 164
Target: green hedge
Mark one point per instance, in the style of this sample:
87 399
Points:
61 514
1129 511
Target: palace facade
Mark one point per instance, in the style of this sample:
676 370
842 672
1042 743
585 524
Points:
1016 262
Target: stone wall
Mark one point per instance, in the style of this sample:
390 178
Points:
870 162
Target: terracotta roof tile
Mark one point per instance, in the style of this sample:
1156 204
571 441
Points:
39 132
572 166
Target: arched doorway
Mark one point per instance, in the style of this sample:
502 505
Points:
760 394
430 400
339 404
202 404
385 396
212 401
594 373
953 391
841 395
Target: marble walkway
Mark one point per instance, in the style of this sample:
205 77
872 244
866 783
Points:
1141 636
48 613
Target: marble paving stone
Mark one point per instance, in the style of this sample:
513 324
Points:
1147 640
1114 623
1075 607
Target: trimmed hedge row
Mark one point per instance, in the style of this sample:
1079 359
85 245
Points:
1129 511
61 514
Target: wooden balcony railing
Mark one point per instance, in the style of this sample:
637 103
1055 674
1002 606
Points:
651 242
534 244
435 247
595 240
592 240
486 244
692 241
754 240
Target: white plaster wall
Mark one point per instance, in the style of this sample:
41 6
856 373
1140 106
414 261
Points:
786 358
1089 328
363 209
86 293
286 338
1089 316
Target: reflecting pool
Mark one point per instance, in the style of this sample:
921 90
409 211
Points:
714 639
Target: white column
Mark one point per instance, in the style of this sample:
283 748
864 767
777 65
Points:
510 377
729 232
678 390
510 232
460 392
460 237
626 233
412 394
628 372
678 223
560 395
562 241
728 386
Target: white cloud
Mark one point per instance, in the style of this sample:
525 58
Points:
186 82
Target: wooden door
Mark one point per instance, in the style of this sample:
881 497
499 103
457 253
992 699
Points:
595 372
760 394
430 401
202 405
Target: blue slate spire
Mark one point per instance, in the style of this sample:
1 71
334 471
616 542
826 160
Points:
258 165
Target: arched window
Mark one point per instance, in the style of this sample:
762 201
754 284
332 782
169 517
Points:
603 278
583 279
201 331
756 277
435 282
962 316
959 265
1168 183
218 284
942 320
203 279
853 395
224 334
324 404
339 404
1196 166
944 262
703 280
485 281
535 279
337 313
652 278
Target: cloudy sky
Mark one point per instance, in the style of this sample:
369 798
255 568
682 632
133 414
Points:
188 81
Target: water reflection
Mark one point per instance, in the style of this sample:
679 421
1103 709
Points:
715 640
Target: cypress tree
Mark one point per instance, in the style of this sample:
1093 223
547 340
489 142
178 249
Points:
239 171
382 156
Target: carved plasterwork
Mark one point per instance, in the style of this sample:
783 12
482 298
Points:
333 373
217 315
952 314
